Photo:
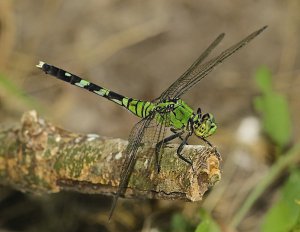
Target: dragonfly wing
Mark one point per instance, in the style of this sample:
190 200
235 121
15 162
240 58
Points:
199 71
200 59
134 142
149 131
155 136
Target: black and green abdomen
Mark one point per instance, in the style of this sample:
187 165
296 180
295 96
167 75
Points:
137 107
177 117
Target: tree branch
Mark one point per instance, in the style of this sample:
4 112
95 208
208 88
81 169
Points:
41 158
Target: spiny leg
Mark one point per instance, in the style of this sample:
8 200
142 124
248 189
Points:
207 142
180 148
175 131
159 145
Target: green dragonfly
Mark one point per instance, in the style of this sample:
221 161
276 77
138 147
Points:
168 111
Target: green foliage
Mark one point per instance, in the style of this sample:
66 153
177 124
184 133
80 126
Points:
180 224
207 224
14 91
274 109
285 213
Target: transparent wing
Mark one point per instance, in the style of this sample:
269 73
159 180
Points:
148 130
198 71
154 136
201 58
134 142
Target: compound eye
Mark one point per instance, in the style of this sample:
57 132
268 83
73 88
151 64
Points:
205 117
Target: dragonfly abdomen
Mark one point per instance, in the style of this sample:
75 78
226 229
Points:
137 107
140 108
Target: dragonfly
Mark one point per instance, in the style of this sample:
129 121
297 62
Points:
168 112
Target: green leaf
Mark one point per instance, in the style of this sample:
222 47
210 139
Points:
284 215
274 110
14 91
180 224
263 79
207 223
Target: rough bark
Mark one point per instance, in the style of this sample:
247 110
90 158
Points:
39 157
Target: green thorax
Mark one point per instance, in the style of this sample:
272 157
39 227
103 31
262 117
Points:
178 114
175 113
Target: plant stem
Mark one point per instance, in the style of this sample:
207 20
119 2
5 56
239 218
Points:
285 160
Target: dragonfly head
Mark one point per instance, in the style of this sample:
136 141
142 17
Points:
205 125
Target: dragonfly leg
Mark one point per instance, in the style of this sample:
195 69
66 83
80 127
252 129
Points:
160 144
179 150
207 142
180 137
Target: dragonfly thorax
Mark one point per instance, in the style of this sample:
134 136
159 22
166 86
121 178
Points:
204 125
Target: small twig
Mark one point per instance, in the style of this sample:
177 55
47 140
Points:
41 158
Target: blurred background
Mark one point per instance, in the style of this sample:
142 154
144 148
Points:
138 48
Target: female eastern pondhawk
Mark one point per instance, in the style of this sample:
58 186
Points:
166 111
